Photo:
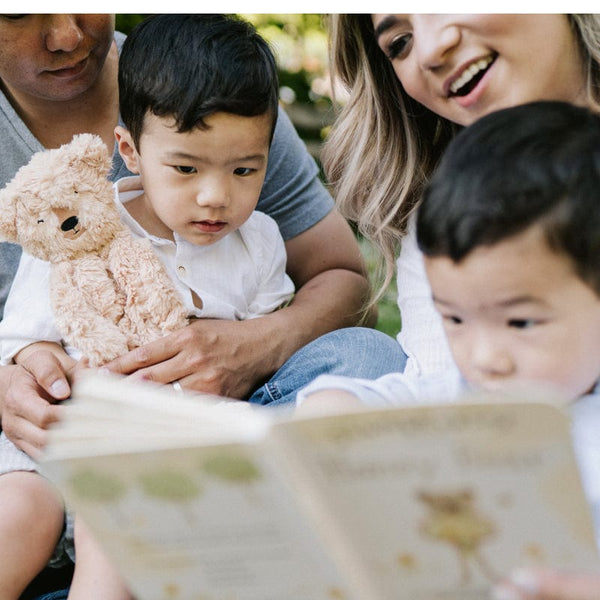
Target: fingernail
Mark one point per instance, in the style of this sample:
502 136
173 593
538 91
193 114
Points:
59 388
501 592
525 580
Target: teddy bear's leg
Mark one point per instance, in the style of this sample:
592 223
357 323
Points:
153 306
87 309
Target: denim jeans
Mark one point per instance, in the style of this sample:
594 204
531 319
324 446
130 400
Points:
353 351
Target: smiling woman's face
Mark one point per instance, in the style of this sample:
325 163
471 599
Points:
465 66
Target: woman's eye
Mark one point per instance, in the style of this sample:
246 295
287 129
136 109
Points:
397 46
243 171
185 170
521 323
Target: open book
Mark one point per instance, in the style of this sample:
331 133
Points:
199 499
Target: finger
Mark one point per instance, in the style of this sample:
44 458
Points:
48 373
29 438
34 410
555 586
142 357
25 399
525 584
27 435
166 371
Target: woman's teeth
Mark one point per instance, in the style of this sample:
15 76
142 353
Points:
470 72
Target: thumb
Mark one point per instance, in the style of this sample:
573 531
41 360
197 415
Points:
48 372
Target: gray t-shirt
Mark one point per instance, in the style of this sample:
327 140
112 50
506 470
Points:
292 193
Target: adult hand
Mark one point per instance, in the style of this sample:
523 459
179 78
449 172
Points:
227 358
526 584
233 358
30 393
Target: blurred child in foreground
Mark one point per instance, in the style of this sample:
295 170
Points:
510 230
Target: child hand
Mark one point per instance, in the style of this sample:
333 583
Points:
526 584
327 402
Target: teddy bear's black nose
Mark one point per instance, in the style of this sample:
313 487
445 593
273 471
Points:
69 223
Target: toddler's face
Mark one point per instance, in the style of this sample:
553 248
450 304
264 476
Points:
516 312
204 183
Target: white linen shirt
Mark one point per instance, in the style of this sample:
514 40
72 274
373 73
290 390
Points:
242 276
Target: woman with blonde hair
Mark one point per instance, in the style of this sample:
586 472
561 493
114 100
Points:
413 81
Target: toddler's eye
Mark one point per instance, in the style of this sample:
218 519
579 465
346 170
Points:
185 169
243 171
452 319
521 323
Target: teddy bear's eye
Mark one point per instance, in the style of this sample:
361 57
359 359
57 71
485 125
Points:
40 220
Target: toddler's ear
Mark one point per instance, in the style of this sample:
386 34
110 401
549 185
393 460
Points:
8 216
127 148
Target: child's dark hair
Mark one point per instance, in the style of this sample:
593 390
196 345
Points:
533 163
191 66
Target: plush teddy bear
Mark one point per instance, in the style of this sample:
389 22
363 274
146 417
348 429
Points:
108 290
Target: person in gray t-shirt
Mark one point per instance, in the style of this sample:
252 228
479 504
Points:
58 77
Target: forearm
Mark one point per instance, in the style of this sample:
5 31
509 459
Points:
331 300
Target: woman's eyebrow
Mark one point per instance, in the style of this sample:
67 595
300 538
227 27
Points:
384 25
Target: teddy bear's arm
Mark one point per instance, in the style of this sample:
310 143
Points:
153 306
87 309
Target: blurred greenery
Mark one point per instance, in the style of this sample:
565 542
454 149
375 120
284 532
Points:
299 42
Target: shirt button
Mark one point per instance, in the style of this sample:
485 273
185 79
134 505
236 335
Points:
181 270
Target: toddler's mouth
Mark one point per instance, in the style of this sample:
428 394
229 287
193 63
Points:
208 226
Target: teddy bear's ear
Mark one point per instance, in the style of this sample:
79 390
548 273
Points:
8 216
89 149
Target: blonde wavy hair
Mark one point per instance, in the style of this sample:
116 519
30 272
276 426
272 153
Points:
383 145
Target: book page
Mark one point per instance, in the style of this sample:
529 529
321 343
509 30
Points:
199 524
442 501
189 514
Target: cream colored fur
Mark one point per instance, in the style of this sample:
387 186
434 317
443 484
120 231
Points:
109 291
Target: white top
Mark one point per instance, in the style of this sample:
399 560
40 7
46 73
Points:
422 335
242 276
392 389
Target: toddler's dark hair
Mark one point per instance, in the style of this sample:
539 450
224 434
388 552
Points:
520 166
191 66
